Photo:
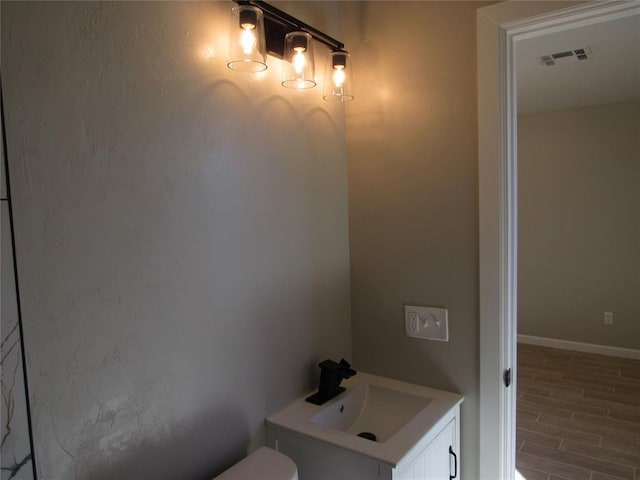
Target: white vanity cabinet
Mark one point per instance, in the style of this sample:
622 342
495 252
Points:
438 461
436 456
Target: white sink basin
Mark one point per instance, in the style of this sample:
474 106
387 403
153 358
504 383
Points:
401 415
371 409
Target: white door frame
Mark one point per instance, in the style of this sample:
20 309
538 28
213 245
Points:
499 27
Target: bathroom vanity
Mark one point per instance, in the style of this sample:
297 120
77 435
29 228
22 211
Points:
378 428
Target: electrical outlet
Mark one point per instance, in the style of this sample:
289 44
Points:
608 318
426 322
413 325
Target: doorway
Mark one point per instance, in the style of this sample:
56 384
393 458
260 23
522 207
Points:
500 27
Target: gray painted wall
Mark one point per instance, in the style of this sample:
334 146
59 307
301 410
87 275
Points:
182 235
16 458
413 194
579 224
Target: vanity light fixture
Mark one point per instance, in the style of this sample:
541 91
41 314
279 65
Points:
247 43
290 39
298 66
337 77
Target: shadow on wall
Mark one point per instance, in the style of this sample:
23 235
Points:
224 435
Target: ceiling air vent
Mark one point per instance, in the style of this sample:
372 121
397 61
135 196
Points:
577 55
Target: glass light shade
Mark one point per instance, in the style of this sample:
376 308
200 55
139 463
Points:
338 82
298 64
248 51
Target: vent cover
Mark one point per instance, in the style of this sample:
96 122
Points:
577 55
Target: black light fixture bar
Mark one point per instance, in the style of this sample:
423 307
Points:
278 23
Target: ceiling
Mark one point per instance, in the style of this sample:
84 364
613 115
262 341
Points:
612 74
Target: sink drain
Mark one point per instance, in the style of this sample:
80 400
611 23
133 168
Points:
368 436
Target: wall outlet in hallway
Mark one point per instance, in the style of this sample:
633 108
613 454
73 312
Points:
608 318
426 322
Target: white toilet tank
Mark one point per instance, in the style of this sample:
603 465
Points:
263 464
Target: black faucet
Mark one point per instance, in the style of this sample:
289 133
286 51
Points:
331 374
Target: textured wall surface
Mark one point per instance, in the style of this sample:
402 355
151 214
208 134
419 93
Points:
579 224
16 458
181 235
413 206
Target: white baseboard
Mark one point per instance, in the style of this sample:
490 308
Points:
580 347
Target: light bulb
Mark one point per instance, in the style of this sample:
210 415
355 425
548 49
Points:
299 60
247 40
338 76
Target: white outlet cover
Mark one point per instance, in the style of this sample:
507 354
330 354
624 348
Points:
413 324
608 318
433 323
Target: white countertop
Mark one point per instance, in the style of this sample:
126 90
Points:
296 417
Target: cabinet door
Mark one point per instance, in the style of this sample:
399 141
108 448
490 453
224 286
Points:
436 462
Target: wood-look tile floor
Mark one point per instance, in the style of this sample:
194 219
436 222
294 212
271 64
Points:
578 415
